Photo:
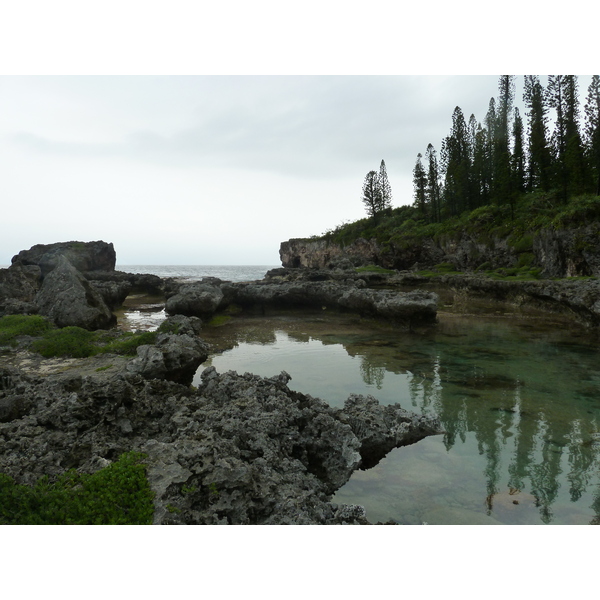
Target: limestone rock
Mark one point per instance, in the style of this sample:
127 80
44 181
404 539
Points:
195 300
68 299
173 357
84 256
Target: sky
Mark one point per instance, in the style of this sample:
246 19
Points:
217 166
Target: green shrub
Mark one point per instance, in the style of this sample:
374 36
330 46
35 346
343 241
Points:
129 342
116 495
68 341
12 326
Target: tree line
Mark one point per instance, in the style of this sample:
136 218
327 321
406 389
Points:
498 160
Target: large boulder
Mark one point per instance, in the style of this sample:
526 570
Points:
195 300
67 298
18 287
84 256
174 357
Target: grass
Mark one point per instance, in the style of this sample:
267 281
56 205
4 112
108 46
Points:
13 326
73 342
116 495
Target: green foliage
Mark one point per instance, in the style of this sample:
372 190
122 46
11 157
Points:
76 342
128 343
12 326
68 341
116 495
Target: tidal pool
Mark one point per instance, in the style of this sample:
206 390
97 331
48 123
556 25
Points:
519 400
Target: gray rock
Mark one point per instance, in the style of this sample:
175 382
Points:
68 299
18 284
174 357
195 300
84 256
241 449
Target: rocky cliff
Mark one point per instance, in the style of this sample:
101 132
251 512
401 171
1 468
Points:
557 252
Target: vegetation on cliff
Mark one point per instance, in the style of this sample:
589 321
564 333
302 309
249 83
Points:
505 178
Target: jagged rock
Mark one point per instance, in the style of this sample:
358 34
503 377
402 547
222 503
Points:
411 307
113 292
67 298
241 449
173 357
18 287
181 324
84 256
195 300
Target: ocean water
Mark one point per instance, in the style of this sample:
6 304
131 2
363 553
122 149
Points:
519 400
196 272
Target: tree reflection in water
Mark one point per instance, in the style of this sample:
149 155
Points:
525 396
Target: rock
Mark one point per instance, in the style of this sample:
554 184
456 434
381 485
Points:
174 357
113 292
84 256
241 449
346 294
383 428
195 300
18 287
181 324
68 299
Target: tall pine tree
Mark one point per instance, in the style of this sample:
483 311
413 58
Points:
420 186
592 131
433 184
538 151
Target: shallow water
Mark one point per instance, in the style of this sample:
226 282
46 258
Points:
519 400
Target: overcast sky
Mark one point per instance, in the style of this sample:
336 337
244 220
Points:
212 169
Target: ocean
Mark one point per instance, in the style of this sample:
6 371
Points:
196 272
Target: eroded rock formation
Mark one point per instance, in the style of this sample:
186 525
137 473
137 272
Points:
241 449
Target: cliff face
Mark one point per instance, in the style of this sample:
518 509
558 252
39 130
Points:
558 253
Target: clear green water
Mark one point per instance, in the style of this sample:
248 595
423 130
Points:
519 400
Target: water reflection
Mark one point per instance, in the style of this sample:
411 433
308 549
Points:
520 404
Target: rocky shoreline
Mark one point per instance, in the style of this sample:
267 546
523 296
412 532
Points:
238 449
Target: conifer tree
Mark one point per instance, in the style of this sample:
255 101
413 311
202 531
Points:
518 154
433 184
420 186
371 196
538 151
455 154
384 188
501 163
575 166
592 130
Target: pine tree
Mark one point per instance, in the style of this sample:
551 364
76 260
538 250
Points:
433 184
555 94
384 188
592 130
575 166
518 154
455 154
420 186
371 196
501 163
538 151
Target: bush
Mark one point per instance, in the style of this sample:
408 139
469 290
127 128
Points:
116 495
12 326
129 342
68 341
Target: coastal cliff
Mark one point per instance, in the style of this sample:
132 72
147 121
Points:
571 252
